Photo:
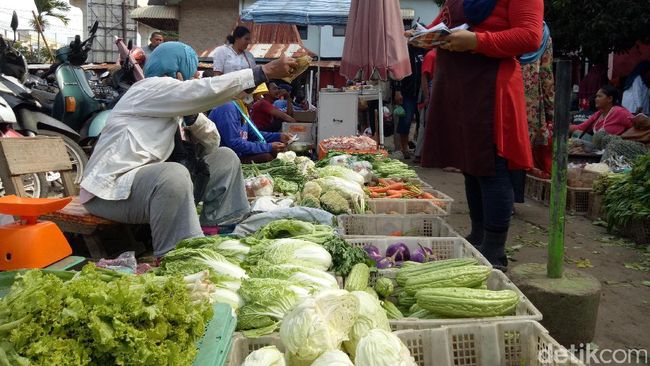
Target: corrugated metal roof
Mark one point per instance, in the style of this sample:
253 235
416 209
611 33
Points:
157 16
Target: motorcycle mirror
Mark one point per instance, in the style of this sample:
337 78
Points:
93 29
14 23
104 75
129 46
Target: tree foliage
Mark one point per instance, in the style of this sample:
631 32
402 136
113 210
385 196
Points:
594 28
50 9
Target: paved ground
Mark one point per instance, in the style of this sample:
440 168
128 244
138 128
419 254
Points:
623 318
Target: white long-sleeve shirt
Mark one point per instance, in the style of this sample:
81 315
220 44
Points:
140 129
637 97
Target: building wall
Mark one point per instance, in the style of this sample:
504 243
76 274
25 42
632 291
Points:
206 23
426 10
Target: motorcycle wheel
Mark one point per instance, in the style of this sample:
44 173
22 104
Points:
78 159
36 186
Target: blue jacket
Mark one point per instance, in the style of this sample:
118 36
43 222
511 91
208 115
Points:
237 135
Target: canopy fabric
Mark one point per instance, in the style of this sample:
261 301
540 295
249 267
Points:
301 12
157 16
375 46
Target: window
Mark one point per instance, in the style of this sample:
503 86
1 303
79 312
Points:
303 30
338 31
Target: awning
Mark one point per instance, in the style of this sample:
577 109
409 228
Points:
301 12
408 14
157 16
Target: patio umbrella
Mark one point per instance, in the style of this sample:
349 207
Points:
375 46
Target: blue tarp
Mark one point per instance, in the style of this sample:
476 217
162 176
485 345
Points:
300 12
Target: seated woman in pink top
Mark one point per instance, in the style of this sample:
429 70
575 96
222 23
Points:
610 117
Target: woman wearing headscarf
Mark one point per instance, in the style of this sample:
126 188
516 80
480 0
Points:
477 119
128 178
233 56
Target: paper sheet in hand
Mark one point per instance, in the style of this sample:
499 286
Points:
428 38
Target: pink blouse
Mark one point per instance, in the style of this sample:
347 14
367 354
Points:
617 121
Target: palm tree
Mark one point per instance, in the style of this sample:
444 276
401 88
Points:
46 9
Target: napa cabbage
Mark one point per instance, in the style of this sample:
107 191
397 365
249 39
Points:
318 324
333 358
382 348
341 172
371 316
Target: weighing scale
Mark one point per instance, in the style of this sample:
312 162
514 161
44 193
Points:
30 243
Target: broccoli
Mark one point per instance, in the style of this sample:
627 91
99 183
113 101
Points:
333 202
312 188
309 200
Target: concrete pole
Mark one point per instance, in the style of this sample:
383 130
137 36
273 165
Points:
561 118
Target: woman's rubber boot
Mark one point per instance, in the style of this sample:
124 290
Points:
494 249
475 237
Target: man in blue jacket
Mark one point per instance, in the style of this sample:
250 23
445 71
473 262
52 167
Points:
237 134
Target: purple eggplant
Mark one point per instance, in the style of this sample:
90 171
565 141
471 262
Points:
399 252
423 254
372 250
385 263
375 257
418 256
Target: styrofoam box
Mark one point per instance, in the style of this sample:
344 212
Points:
404 206
389 225
525 310
510 343
443 248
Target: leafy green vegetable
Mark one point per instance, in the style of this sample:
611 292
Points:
131 320
392 168
304 276
186 261
371 316
344 256
298 251
380 347
265 356
341 172
628 196
333 358
318 325
284 228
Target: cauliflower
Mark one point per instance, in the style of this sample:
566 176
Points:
312 188
333 202
309 200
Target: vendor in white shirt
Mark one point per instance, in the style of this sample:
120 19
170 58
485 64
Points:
233 55
128 179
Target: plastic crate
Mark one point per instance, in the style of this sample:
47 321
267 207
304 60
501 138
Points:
404 206
577 200
443 248
510 343
391 225
525 309
538 189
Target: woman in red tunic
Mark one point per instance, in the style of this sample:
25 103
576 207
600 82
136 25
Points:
480 123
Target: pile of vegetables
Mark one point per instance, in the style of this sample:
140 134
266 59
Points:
338 190
382 166
288 172
627 197
361 143
335 327
388 188
398 254
101 317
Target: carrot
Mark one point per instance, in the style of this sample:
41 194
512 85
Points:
383 181
396 195
396 186
396 233
396 191
379 189
426 195
374 194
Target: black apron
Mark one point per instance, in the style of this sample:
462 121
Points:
460 121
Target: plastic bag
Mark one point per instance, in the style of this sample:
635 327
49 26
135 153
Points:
259 186
341 160
125 262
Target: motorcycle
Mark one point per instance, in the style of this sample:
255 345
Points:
30 115
36 185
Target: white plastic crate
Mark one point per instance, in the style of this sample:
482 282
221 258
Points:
395 225
511 343
525 309
404 206
441 200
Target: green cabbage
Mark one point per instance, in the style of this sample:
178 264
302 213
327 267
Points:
382 348
296 251
284 228
265 356
318 324
333 358
341 172
351 191
371 316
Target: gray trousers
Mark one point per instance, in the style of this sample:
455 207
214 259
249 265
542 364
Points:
161 196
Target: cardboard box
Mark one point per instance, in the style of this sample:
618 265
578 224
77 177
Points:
305 116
